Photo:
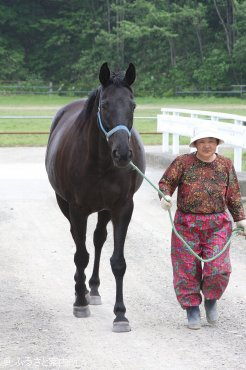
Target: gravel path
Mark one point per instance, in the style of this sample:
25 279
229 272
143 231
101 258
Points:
37 328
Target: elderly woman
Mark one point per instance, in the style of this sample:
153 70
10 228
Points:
207 186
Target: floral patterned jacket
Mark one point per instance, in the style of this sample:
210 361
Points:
204 187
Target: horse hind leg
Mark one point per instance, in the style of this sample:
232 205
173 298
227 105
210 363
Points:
100 236
64 206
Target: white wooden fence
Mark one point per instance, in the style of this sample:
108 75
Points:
187 122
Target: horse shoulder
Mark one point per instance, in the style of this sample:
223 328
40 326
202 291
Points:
74 107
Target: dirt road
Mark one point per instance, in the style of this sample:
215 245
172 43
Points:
37 328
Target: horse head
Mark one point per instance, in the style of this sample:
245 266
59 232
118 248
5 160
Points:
115 112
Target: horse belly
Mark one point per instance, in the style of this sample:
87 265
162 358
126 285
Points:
59 150
138 156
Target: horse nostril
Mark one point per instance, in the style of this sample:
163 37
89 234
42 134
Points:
115 154
121 159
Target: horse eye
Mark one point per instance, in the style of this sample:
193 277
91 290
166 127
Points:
104 105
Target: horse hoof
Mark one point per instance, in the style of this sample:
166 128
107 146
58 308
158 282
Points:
121 327
87 297
95 299
81 311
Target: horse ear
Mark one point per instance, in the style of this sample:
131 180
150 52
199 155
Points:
130 74
104 74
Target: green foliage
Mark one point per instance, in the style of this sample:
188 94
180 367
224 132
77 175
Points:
185 44
212 75
239 54
12 61
239 58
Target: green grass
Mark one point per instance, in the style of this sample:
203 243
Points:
28 105
34 100
39 105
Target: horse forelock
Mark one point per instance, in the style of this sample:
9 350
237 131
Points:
116 79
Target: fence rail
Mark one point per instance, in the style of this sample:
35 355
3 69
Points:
22 88
233 90
26 117
51 117
48 88
187 122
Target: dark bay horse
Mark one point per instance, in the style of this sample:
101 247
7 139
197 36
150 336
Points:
90 146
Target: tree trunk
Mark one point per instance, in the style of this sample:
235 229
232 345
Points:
108 16
120 16
199 38
228 24
172 52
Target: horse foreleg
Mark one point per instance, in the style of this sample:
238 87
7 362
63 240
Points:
120 219
81 258
100 235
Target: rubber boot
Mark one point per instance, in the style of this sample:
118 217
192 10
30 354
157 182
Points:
211 311
194 317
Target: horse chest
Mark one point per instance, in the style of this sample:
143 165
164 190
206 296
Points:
102 191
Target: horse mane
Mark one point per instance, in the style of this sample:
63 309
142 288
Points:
87 109
90 102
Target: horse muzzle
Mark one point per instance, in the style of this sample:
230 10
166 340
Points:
121 159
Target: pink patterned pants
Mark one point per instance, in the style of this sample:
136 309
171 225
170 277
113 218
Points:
207 235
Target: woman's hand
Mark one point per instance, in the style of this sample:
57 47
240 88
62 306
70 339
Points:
166 203
242 224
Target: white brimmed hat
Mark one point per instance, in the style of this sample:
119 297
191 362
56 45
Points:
205 133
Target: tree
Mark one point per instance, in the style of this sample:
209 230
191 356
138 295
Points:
172 43
239 52
225 11
212 74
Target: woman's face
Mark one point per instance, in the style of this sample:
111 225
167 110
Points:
206 148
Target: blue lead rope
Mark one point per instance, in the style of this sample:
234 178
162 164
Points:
234 231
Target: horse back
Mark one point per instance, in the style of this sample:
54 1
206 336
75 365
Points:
74 107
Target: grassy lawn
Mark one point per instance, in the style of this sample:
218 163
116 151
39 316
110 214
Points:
38 105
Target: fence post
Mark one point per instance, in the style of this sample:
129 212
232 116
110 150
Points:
238 122
165 142
175 144
238 154
50 88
